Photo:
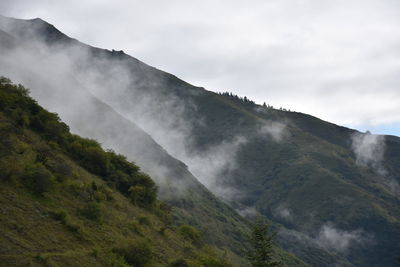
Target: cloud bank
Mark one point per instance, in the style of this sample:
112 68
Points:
337 60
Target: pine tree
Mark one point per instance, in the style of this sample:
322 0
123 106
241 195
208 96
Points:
262 252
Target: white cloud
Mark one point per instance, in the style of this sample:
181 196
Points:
369 150
276 130
339 240
332 238
338 60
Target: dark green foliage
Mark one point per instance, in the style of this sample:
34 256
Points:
10 168
135 227
35 225
60 215
212 261
179 263
63 217
135 253
93 211
90 154
190 233
144 220
141 194
113 168
262 254
38 179
61 169
236 98
209 258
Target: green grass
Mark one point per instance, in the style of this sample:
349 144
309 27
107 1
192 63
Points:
64 201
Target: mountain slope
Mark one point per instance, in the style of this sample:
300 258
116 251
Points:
316 180
65 201
61 90
287 161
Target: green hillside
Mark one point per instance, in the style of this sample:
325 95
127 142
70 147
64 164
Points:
311 169
328 206
90 117
65 201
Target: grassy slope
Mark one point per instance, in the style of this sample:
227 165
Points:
312 170
221 225
32 228
49 227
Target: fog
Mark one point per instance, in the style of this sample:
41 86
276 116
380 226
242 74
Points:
369 150
109 96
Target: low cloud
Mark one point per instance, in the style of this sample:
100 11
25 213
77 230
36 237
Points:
209 165
369 151
275 130
284 213
247 212
311 56
333 238
330 238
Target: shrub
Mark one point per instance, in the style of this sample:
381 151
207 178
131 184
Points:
61 216
37 178
179 263
61 169
144 220
211 261
115 260
65 219
209 258
190 233
10 168
74 227
135 227
136 253
93 211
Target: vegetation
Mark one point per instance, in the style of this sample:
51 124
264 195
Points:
110 215
220 225
37 178
120 174
262 253
310 167
311 173
190 233
136 253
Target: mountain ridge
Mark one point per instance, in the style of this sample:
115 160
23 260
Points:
275 158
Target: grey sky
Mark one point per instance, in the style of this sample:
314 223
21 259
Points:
336 59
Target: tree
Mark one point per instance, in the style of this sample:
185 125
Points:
261 254
37 178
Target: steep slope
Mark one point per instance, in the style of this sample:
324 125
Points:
65 201
61 90
336 202
300 171
276 162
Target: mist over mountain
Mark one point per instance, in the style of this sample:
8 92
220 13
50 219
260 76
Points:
332 192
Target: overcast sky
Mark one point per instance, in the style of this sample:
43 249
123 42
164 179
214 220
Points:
336 59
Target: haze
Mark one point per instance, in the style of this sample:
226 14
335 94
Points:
337 60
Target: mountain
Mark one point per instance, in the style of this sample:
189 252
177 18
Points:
331 192
67 202
40 57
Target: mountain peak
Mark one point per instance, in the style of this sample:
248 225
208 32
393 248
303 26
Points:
28 29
